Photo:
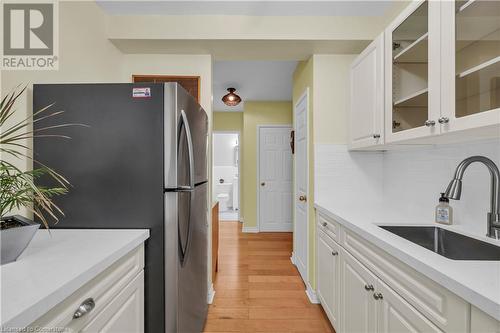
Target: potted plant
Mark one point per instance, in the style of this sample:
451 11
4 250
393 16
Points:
18 187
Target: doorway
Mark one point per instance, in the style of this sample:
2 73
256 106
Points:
275 179
226 174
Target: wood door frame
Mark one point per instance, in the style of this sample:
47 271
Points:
171 77
305 95
239 165
259 127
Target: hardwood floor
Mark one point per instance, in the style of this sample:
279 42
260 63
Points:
258 289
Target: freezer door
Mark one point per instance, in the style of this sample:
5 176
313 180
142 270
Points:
186 133
186 260
192 275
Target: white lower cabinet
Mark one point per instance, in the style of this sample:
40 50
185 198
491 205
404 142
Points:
395 315
124 313
328 276
364 290
111 302
357 306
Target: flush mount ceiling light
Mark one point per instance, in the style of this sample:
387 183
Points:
231 99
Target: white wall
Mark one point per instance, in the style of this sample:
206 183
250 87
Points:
405 185
224 149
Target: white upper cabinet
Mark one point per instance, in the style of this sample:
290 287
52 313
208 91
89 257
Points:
367 96
440 73
470 65
412 82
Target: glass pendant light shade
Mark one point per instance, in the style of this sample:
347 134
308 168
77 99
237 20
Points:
231 99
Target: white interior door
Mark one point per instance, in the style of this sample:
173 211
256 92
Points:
275 179
300 233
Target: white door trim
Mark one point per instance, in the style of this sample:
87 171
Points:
257 181
305 95
239 165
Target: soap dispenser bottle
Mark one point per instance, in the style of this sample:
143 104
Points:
444 212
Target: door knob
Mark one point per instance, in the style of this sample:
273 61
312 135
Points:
335 253
378 296
369 287
302 198
444 120
324 224
376 136
262 184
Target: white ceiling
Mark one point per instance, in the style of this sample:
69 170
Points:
251 8
253 80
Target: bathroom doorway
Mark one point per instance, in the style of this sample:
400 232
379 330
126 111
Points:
226 174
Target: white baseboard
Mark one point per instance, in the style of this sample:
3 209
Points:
311 294
211 294
241 219
278 229
250 229
292 259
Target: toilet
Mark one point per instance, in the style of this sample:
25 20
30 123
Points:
223 191
223 198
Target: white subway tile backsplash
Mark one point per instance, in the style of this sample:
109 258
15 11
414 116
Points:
405 184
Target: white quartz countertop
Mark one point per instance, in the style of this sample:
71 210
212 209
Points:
478 282
55 265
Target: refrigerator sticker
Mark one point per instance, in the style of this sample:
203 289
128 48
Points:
141 92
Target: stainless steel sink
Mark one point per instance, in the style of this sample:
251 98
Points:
447 243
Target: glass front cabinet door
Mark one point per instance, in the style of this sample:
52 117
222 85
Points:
412 83
470 51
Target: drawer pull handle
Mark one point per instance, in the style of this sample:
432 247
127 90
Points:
378 296
335 253
369 287
84 308
324 224
444 120
430 123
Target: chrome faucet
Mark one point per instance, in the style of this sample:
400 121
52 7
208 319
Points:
454 191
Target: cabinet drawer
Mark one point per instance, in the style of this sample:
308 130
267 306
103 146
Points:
102 289
329 227
445 309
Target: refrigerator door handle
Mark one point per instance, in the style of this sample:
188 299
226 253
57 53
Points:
185 121
184 247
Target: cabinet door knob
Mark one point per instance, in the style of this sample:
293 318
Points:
376 136
369 287
444 120
84 308
302 198
429 123
263 184
324 224
378 296
335 253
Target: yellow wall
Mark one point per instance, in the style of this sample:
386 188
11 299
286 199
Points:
85 56
257 113
228 121
331 97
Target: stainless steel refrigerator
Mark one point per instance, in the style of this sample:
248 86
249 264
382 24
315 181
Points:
141 162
